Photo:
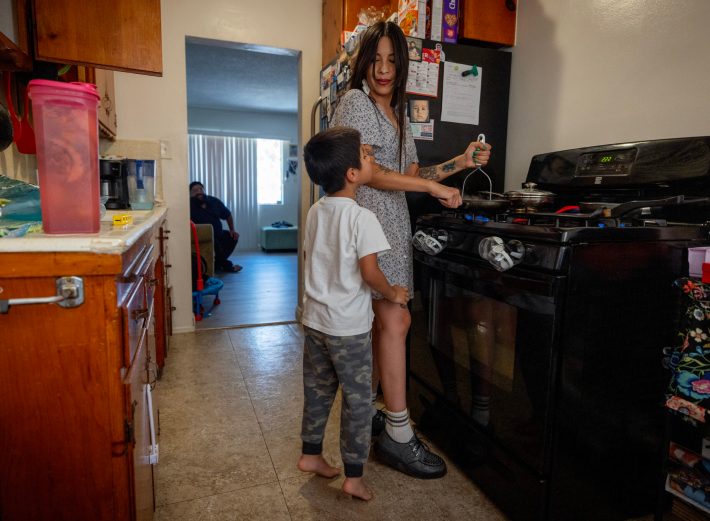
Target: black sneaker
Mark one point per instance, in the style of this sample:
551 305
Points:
413 458
379 420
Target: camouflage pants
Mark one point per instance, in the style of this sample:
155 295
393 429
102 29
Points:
327 362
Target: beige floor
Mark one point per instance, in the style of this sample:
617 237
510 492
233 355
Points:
230 407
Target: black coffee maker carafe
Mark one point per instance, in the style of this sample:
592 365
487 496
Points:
114 183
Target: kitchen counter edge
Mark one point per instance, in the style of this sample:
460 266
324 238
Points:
111 239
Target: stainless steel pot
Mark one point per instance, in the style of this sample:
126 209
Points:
530 197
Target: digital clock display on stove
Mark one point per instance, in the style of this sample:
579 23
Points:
606 162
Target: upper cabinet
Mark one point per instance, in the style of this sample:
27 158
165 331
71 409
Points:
342 15
122 35
489 21
14 40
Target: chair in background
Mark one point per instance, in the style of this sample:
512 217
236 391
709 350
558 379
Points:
205 241
204 284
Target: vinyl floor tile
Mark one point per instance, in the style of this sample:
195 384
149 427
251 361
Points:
223 404
208 460
263 337
275 359
258 503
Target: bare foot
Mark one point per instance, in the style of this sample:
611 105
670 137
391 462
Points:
313 463
356 487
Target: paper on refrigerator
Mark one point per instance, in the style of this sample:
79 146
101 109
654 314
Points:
461 97
423 77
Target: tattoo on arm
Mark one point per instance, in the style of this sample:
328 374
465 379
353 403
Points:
384 170
428 172
449 167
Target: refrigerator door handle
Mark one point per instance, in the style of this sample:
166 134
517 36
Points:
314 112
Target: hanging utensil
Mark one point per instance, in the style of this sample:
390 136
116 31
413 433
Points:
22 130
26 144
16 125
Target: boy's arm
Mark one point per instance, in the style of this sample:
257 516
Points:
373 277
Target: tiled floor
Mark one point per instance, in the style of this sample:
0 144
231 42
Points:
230 408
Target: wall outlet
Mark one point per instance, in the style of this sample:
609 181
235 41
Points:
165 152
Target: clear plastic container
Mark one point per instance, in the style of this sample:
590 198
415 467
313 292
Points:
141 183
67 134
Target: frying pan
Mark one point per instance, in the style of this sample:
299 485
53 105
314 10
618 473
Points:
486 201
472 202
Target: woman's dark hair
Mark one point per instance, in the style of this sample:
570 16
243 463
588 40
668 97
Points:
329 154
365 59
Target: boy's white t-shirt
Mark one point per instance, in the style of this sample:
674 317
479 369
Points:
339 232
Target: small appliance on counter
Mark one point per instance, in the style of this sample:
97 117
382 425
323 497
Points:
114 183
141 183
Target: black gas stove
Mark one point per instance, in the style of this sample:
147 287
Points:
537 336
545 237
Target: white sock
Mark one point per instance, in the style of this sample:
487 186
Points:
398 426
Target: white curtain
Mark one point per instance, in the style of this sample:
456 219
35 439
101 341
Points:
226 166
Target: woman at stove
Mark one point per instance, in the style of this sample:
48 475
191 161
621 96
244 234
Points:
375 105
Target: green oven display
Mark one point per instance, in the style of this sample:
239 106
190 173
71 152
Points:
606 162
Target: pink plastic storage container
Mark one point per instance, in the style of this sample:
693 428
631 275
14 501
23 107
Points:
67 134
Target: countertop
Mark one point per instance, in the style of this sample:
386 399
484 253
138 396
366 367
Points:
110 239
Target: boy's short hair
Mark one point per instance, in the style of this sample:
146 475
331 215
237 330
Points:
329 154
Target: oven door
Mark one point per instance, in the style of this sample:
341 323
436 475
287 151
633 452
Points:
483 353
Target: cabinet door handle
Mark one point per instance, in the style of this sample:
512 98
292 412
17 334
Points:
70 294
137 266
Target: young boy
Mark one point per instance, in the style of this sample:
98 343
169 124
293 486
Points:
340 248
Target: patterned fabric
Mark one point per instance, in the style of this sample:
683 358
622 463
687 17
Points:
329 361
689 388
358 111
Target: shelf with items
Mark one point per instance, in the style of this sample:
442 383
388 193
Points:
687 458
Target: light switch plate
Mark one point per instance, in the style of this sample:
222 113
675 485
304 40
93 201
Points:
165 149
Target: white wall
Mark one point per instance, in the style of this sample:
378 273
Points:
594 72
156 108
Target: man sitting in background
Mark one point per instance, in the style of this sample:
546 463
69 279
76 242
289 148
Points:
205 209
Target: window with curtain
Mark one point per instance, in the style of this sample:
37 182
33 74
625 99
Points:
270 168
243 173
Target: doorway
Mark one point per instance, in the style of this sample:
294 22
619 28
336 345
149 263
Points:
243 125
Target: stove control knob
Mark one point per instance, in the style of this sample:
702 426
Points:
531 255
517 251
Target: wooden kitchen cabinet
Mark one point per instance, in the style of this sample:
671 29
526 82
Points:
76 441
489 21
14 37
342 15
122 35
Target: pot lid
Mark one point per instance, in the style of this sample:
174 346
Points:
529 190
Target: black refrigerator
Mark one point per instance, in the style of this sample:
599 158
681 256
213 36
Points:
449 138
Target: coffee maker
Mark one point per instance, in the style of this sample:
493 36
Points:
114 183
